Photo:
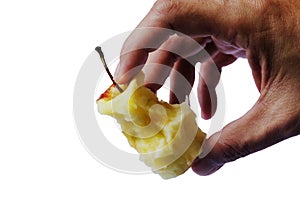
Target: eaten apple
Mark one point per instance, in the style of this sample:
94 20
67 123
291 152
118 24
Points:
166 136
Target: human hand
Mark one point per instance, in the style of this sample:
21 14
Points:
266 32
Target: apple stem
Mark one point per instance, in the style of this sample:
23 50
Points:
98 49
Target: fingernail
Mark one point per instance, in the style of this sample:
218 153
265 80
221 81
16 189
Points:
118 76
202 114
117 72
205 167
205 115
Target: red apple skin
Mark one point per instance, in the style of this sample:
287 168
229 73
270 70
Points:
107 95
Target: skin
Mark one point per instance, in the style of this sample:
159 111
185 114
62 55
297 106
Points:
265 32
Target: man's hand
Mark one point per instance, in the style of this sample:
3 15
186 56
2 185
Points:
266 32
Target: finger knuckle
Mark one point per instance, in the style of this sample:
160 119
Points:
164 6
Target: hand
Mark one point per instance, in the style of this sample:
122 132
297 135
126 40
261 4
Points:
266 32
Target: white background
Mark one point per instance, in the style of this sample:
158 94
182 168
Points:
42 47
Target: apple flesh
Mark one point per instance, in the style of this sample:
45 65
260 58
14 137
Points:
166 136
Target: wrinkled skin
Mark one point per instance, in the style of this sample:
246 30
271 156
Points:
265 32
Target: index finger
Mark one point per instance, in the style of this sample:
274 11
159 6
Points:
136 48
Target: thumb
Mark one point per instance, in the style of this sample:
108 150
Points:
267 123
